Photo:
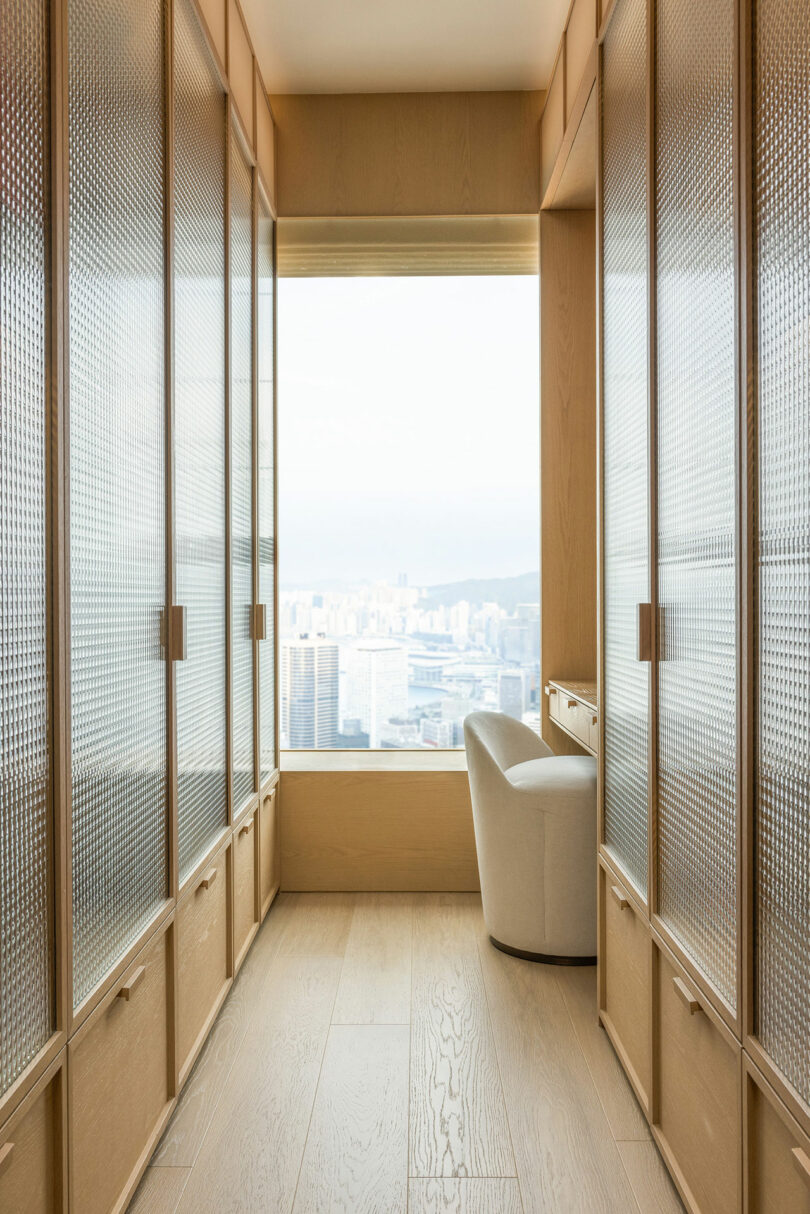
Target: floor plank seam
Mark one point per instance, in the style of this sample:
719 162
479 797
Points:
500 1071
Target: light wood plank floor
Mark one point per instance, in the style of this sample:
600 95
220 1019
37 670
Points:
376 1054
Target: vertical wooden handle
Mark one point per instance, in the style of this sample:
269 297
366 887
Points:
802 1162
5 1154
618 894
177 634
208 880
683 992
259 621
645 632
131 985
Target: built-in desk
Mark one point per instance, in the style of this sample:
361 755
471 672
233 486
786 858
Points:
572 706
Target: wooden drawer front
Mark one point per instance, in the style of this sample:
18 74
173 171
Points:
30 1157
244 876
202 954
593 731
269 845
699 1101
778 1157
575 717
627 964
118 1072
552 125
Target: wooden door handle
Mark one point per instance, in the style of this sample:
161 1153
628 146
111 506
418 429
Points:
683 992
129 987
645 637
5 1154
573 703
802 1162
620 898
594 720
247 828
550 691
208 880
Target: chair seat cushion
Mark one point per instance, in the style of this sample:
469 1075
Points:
559 773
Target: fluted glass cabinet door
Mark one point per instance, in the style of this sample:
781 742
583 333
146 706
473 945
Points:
696 443
199 436
782 247
117 478
625 451
241 423
266 488
26 946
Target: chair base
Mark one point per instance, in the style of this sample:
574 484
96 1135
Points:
545 958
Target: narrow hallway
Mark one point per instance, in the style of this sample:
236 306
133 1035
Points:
377 1054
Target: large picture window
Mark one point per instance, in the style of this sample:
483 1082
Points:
409 488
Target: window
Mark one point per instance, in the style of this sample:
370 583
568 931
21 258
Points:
409 490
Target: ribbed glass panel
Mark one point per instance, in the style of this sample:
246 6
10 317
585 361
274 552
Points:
117 479
626 436
199 434
267 539
242 471
696 441
26 949
782 204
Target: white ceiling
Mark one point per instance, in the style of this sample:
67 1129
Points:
403 46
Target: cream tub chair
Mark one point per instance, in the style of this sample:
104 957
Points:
535 833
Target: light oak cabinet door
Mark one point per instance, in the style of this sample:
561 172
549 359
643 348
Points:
778 1157
30 1153
269 849
626 957
245 919
698 1072
118 1067
202 956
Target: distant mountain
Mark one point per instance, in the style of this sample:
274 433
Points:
507 592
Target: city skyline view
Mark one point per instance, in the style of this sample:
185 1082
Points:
408 503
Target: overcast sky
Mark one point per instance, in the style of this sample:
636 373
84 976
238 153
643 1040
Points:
408 428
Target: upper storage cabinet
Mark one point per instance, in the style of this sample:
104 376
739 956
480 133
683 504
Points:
781 75
117 478
199 437
625 437
26 895
696 483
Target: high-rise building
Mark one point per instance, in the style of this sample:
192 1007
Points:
309 693
377 691
512 693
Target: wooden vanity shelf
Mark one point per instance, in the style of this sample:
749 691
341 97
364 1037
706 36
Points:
572 707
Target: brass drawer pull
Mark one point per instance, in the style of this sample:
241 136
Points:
802 1163
129 988
683 992
208 880
247 828
5 1154
620 898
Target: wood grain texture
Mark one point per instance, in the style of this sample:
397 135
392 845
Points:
408 153
774 1183
160 1191
183 1136
251 1155
375 984
357 1147
202 952
118 1078
240 68
244 885
458 1117
567 454
566 1156
625 1118
552 125
377 831
652 1188
28 1176
466 1195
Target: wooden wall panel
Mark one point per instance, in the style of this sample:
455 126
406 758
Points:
567 454
408 153
265 140
240 68
377 831
553 124
214 15
579 40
